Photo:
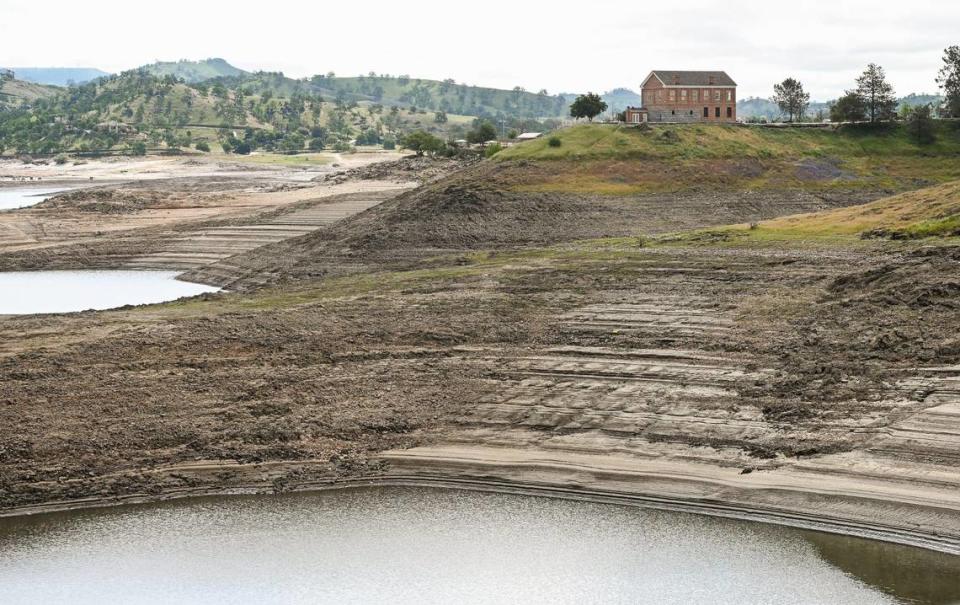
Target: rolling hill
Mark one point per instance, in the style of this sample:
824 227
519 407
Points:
194 71
58 76
14 93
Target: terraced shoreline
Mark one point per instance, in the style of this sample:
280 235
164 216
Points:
468 335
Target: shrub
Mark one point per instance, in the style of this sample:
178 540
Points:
554 142
60 160
492 150
389 144
138 148
203 146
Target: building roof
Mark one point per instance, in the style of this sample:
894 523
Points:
691 78
529 135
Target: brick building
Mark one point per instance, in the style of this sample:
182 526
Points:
686 96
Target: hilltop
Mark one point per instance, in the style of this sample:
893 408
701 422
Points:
194 71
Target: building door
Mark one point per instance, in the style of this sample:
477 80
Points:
706 112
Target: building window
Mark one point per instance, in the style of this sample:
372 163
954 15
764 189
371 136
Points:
717 111
659 95
706 112
716 95
729 112
673 95
696 95
673 112
683 94
729 95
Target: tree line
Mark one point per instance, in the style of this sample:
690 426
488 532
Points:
873 100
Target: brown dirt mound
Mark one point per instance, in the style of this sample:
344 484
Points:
412 168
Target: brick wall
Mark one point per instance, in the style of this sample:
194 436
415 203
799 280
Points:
687 103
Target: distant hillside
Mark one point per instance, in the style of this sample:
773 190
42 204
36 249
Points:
58 76
14 93
194 71
446 95
756 107
138 111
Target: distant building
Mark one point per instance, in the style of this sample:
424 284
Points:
686 96
529 136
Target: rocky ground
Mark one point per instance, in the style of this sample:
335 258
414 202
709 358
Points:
465 314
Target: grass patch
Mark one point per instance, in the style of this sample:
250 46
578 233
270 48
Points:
933 212
621 161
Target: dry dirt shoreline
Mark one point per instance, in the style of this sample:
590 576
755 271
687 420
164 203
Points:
805 386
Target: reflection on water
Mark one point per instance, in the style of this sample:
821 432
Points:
400 545
21 197
911 574
25 292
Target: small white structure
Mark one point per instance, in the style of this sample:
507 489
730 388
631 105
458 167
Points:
529 136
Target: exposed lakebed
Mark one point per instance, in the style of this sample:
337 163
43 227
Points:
27 292
407 545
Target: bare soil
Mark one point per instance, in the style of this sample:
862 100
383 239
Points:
439 318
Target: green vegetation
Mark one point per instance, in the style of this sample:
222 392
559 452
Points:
447 96
709 141
949 81
422 142
170 107
625 160
925 213
588 106
792 100
15 94
194 71
492 150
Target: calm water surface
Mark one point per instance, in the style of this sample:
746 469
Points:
405 545
23 292
21 197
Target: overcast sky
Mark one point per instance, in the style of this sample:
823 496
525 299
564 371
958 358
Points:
501 43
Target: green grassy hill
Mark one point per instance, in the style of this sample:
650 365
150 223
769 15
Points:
194 71
619 160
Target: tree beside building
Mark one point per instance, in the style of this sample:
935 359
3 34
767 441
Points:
791 99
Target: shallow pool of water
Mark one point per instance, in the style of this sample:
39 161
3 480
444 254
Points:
24 292
405 545
21 197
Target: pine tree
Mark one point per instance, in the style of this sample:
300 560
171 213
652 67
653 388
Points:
949 81
791 98
876 94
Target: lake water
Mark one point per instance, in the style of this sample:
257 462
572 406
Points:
408 545
21 197
24 292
